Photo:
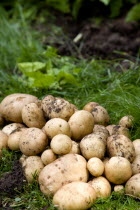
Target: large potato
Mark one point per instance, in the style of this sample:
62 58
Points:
120 145
11 106
32 141
100 115
32 115
74 196
81 124
68 168
132 186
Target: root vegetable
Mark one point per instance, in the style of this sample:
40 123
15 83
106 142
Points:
119 188
100 115
95 166
136 144
132 186
8 129
3 140
90 106
120 130
48 156
75 149
101 130
126 121
136 165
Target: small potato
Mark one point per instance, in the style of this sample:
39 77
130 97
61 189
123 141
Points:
8 129
110 129
136 165
32 115
100 115
90 106
33 141
61 144
75 149
95 166
126 121
120 130
74 196
119 188
132 186
57 126
118 170
3 140
136 144
101 130
48 156
81 124
101 186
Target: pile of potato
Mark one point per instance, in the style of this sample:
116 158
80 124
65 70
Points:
75 155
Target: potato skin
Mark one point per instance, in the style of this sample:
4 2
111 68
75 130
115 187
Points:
11 106
12 127
66 169
100 115
136 165
132 186
95 166
136 144
90 106
74 196
3 140
32 141
48 156
1 120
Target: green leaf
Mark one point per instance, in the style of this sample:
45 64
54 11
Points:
30 67
134 13
64 77
61 5
106 2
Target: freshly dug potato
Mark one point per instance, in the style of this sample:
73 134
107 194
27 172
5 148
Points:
132 186
14 138
110 129
101 130
118 170
32 166
93 145
8 129
33 141
136 144
66 169
48 156
3 140
136 165
61 144
81 124
120 145
55 107
74 196
11 106
101 186
57 126
126 121
119 188
75 149
22 159
95 166
1 121
32 115
100 115
120 130
90 106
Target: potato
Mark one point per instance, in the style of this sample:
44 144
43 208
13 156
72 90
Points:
14 137
110 129
101 130
81 124
101 186
8 129
57 126
120 130
132 186
100 115
118 170
61 144
95 166
48 156
55 107
32 115
3 140
90 106
93 145
136 144
33 141
11 106
126 121
119 188
1 121
32 166
120 145
75 149
136 165
66 169
74 196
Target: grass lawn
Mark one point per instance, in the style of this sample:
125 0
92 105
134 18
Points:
78 80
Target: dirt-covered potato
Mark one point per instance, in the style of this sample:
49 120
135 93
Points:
8 129
32 166
32 115
61 144
126 121
32 141
11 106
118 170
74 196
66 169
55 107
14 137
136 165
93 145
100 115
101 130
48 156
81 124
75 148
120 145
95 166
1 121
132 186
90 106
120 130
119 188
57 126
136 144
3 140
101 186
110 129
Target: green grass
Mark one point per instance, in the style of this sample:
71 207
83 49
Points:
118 92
